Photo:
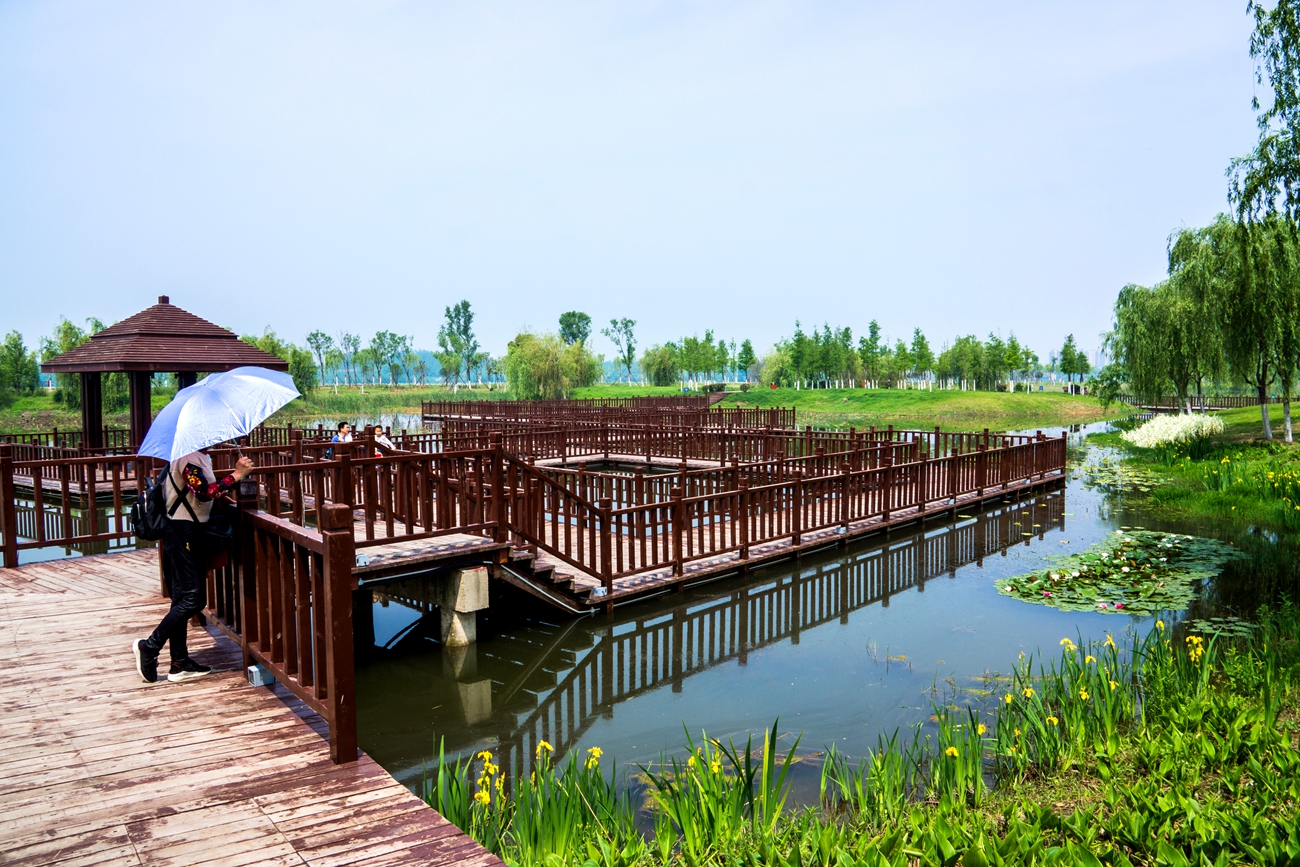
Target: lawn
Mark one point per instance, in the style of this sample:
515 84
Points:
1238 478
955 410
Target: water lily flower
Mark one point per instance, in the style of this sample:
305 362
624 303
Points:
1119 605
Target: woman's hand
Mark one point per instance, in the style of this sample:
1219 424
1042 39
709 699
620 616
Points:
243 467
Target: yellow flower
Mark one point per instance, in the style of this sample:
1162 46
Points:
690 763
1053 720
483 798
486 755
543 745
951 752
980 729
595 752
1017 731
1113 685
715 766
1110 642
1008 698
1011 751
1027 692
1067 644
1160 624
1089 658
1083 694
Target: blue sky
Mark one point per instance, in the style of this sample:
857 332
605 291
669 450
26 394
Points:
959 167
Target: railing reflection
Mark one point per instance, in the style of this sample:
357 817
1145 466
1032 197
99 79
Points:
521 689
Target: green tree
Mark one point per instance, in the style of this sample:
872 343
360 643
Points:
543 366
620 334
746 359
321 345
575 327
302 367
921 355
659 364
349 345
869 350
65 338
459 347
19 368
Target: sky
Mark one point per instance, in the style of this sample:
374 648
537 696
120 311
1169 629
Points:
736 166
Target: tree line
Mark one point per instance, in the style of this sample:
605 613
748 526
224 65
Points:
1228 312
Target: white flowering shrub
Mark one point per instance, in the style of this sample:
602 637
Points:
1171 431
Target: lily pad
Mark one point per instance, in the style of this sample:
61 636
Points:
1131 572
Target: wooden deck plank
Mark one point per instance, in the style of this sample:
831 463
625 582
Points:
99 768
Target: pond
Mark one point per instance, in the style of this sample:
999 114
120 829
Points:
843 646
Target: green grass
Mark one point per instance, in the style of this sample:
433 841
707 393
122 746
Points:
954 410
1237 479
1176 748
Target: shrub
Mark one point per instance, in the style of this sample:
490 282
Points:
1172 434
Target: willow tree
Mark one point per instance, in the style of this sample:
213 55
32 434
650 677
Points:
1265 184
1162 340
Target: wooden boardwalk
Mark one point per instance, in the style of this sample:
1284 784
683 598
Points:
98 768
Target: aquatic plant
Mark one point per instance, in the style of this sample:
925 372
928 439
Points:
1176 749
1133 571
1168 434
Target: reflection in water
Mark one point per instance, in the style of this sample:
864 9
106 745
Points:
843 646
554 683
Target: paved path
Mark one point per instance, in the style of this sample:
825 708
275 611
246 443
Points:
97 768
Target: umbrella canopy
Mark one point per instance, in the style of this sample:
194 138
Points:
221 407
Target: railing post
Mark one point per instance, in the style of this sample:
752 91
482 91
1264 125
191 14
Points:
887 497
675 510
981 468
922 484
245 564
9 508
340 671
743 487
606 538
498 489
796 520
846 483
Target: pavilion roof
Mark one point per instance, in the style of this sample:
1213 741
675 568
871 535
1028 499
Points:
163 339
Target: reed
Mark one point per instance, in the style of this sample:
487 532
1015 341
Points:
1175 748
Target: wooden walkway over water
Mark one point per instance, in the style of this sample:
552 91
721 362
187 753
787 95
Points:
98 768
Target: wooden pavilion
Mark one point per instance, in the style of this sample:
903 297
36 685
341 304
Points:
161 339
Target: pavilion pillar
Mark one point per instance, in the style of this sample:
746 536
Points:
92 410
141 412
185 380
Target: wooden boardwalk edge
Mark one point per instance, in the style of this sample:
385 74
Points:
100 768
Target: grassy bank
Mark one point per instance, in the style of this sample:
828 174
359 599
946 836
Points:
1237 478
1175 749
955 410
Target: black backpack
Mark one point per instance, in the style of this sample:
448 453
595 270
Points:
149 512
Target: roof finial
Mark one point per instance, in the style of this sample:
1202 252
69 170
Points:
163 299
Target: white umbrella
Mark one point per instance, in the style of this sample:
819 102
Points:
219 408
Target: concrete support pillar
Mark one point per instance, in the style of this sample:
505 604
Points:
460 595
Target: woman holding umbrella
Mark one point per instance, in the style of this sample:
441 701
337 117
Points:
192 488
217 409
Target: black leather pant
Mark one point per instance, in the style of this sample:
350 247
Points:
185 563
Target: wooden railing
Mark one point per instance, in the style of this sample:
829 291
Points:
1230 401
675 411
116 440
48 492
286 597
